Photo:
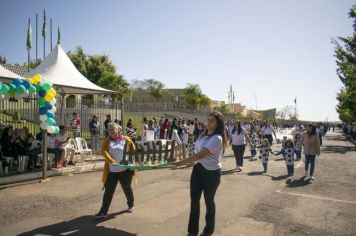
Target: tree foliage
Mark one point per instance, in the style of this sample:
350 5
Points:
194 98
345 54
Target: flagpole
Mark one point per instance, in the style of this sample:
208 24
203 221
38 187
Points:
28 43
36 37
51 34
44 34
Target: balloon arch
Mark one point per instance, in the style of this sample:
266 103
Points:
21 88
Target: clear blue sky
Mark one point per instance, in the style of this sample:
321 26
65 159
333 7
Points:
276 50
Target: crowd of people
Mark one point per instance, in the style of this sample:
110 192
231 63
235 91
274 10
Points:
349 130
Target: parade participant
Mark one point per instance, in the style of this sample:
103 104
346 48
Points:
264 152
206 173
311 143
112 150
239 137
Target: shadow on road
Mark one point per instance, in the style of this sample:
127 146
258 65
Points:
297 183
254 173
84 225
338 149
229 172
276 178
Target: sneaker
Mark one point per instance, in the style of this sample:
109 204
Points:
311 178
130 210
101 215
305 174
241 168
191 234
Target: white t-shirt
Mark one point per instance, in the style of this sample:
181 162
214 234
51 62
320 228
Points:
239 139
214 145
267 130
51 142
116 151
62 138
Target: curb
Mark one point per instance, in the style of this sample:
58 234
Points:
51 173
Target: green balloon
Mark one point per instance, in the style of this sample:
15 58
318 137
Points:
12 88
5 88
41 101
32 89
46 86
56 130
20 89
51 121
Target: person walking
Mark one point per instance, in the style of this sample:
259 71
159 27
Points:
311 143
206 173
239 137
113 150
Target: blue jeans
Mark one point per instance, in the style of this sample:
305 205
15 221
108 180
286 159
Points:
290 170
298 153
265 165
310 159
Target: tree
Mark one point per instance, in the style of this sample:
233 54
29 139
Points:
222 108
155 88
93 67
194 98
115 82
345 54
286 112
2 60
33 63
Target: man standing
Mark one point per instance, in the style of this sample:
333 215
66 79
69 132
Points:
106 123
94 128
75 125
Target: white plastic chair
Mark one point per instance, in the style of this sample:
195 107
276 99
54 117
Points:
83 147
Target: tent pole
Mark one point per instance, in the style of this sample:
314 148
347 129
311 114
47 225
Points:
44 154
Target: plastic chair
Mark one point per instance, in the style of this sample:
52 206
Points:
83 147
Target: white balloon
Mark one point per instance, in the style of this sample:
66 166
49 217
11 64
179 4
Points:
50 129
53 102
26 93
43 79
2 96
43 125
53 110
43 118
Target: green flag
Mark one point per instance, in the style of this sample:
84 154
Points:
44 24
29 36
59 37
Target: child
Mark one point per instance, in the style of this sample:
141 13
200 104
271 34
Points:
191 146
288 155
298 147
284 141
265 150
255 144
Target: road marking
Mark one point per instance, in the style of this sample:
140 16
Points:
316 197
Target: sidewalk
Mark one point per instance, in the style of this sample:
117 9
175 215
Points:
80 167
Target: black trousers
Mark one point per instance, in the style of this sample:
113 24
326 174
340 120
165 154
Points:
239 151
113 178
269 137
206 181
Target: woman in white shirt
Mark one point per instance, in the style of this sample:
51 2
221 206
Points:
267 132
239 136
113 150
206 173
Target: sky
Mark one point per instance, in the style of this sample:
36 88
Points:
269 51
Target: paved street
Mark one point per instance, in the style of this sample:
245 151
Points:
248 203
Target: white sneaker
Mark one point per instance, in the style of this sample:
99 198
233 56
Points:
311 178
130 210
241 168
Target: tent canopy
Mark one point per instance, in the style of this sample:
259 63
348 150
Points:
7 76
59 69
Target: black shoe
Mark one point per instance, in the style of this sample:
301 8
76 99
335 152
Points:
101 215
71 163
204 234
191 234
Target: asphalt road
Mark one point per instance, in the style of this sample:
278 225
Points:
247 203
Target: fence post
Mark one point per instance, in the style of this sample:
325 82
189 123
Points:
44 154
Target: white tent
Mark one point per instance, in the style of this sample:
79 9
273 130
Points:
59 69
7 76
